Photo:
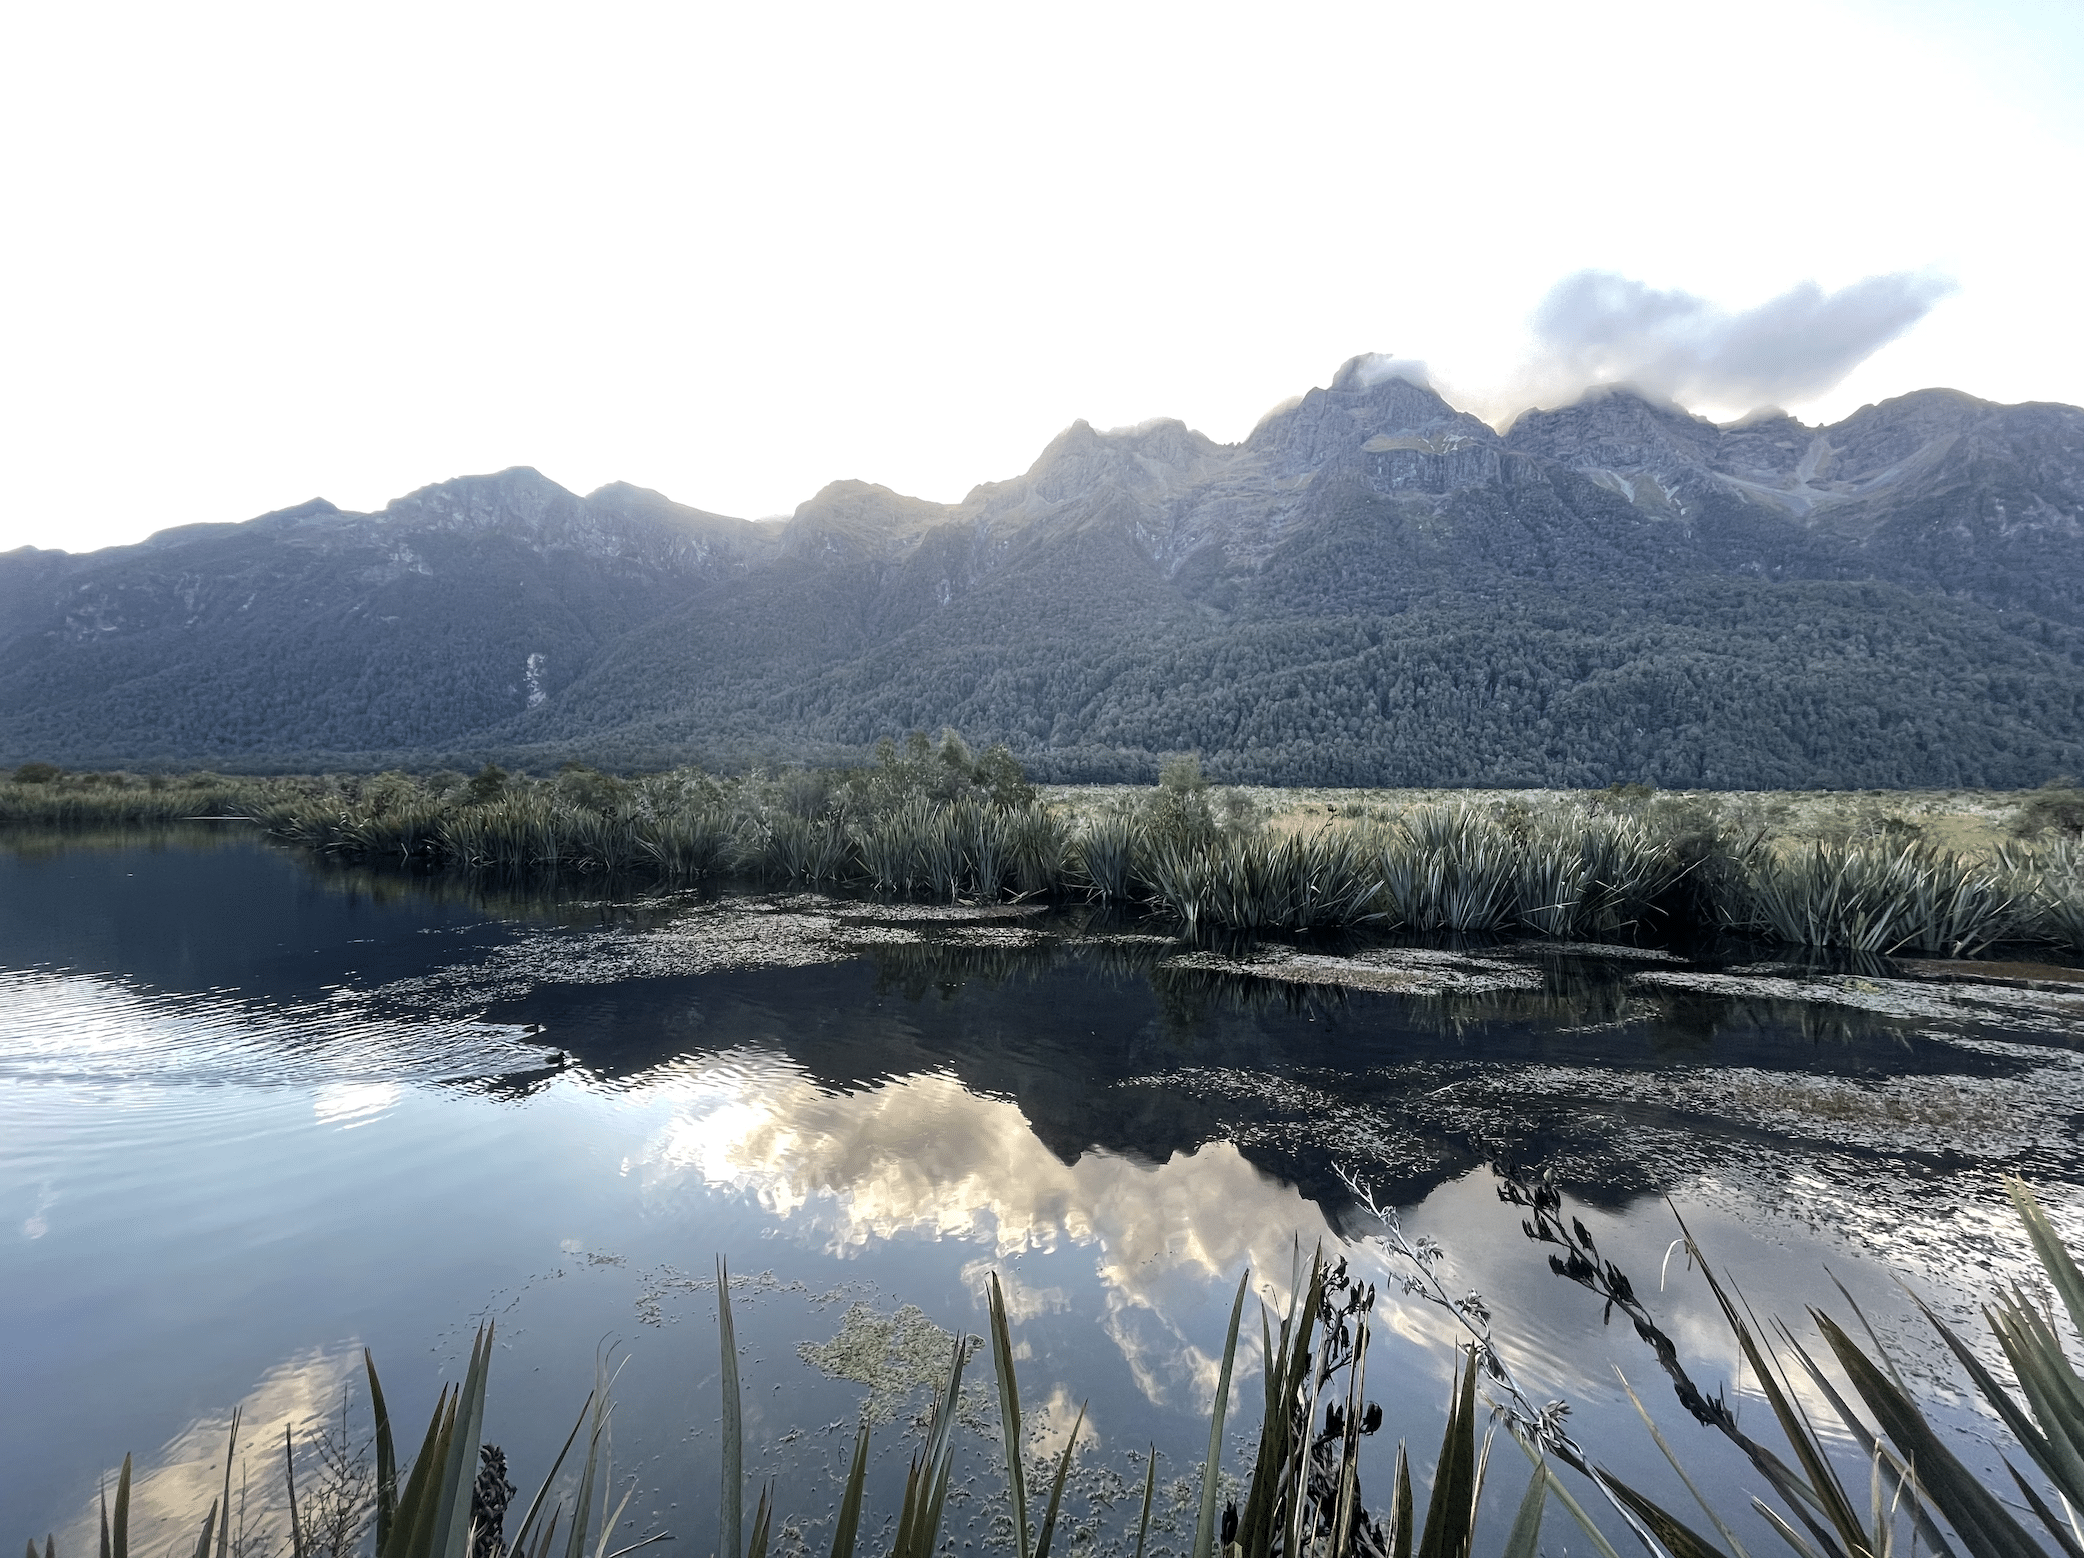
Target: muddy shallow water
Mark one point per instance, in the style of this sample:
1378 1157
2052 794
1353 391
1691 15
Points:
256 1115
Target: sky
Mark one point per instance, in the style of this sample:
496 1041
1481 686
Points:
256 254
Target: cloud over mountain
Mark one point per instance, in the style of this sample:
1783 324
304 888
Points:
1596 327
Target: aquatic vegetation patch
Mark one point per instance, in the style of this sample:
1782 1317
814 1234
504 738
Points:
900 1357
1951 1002
1993 1118
706 938
1605 950
1387 971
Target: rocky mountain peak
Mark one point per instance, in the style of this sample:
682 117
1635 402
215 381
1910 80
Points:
310 508
1152 456
1615 427
1369 399
518 499
858 519
1883 435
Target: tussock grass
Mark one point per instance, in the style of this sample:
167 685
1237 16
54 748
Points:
2056 877
933 819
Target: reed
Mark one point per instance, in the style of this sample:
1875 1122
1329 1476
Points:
1300 882
1452 868
689 844
2062 909
1041 848
2052 880
1595 876
989 835
789 848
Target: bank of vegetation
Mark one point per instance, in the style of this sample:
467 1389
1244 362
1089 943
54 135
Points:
932 818
1859 1471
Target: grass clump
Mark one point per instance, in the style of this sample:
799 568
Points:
1873 898
930 817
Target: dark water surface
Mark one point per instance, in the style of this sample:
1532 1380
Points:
256 1115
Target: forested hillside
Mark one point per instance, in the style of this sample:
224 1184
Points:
1372 588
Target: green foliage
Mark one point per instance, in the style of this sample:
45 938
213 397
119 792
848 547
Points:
487 784
37 773
1876 899
928 819
2057 807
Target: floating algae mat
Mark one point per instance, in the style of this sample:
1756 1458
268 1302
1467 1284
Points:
255 1116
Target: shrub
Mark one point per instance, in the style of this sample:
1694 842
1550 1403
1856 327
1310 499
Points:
2054 808
487 784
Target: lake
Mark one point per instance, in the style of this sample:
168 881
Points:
258 1113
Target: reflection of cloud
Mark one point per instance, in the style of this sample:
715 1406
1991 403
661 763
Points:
172 1491
36 1225
1049 1427
925 1157
348 1104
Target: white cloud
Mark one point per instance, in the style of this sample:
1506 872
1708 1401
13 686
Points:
1595 327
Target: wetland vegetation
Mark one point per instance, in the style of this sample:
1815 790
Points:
1866 872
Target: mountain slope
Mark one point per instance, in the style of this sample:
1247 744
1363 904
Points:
1371 588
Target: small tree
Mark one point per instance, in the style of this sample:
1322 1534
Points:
1181 807
999 773
487 784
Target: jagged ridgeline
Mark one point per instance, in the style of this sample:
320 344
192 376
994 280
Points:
1372 588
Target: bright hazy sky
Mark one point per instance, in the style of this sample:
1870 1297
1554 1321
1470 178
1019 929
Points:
254 254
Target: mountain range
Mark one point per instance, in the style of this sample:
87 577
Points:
1370 588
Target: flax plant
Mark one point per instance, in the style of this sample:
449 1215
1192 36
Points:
1871 898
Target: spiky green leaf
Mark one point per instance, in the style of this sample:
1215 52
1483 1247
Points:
1212 1468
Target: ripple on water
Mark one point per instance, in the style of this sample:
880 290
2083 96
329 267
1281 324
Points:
102 1029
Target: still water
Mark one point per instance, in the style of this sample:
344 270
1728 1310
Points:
257 1114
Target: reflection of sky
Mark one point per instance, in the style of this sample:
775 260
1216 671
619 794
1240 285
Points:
916 1178
171 1490
98 1029
925 1157
198 1184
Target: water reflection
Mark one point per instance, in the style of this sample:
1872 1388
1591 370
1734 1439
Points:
172 1487
929 1157
230 1076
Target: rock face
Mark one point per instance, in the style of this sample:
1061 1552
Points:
1372 586
1935 489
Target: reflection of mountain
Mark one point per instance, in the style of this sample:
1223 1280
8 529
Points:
1100 1048
187 910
